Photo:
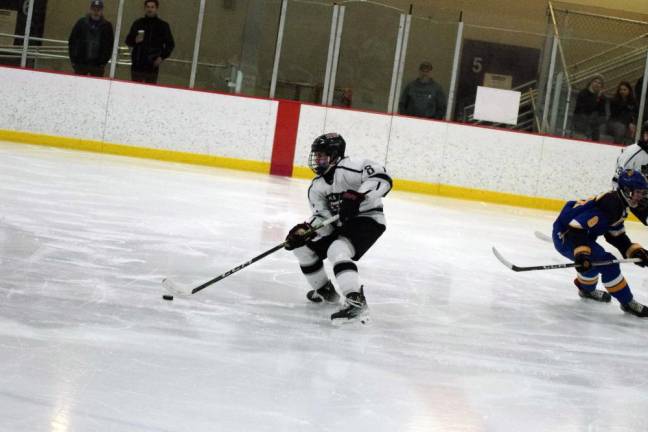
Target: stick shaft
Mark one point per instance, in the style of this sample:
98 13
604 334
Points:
568 265
237 268
516 268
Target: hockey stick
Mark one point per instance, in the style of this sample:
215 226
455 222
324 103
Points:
171 289
542 236
558 266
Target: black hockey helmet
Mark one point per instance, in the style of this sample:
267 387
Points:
331 145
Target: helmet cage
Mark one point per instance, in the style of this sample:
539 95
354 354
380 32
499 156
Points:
319 165
636 198
633 187
331 145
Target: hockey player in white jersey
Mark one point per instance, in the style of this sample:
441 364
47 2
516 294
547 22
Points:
635 157
353 189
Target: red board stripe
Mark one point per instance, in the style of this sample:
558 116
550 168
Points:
285 139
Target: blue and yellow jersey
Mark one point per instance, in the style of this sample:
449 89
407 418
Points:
595 216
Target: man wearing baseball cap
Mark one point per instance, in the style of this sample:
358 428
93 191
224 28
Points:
91 42
423 97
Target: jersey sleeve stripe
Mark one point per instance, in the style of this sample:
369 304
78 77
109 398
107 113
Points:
348 169
383 177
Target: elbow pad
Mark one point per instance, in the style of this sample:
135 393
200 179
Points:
621 242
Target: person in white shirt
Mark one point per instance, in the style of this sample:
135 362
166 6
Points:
635 157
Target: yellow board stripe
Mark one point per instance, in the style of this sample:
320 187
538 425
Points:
461 192
132 151
264 167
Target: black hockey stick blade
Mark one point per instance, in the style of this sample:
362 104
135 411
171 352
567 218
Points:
516 268
171 288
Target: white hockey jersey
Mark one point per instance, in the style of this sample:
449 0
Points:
360 175
633 157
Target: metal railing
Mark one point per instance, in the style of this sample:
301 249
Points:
58 50
621 57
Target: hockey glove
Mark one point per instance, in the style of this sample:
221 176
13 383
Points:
299 235
642 254
583 262
350 204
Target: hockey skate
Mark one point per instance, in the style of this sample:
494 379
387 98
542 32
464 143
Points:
326 293
355 309
635 308
596 295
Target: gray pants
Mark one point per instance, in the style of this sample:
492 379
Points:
588 125
619 132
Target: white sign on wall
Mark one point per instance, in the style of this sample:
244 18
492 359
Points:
499 81
8 21
497 105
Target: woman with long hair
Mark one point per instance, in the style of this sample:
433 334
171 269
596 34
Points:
623 114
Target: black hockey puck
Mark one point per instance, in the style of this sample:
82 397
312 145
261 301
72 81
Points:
167 297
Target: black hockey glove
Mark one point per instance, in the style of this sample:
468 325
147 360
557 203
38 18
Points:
299 235
642 254
583 262
350 204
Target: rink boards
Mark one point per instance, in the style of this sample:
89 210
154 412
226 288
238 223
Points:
253 134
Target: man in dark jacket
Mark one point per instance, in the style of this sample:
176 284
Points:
423 97
91 42
589 111
151 41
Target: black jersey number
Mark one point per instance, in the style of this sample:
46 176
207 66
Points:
369 169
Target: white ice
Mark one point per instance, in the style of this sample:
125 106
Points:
457 341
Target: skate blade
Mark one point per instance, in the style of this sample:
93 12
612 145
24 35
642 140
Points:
318 299
360 320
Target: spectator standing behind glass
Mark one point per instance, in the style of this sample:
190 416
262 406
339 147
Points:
423 97
623 114
589 112
91 42
151 41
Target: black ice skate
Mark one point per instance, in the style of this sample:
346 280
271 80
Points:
326 293
596 295
635 308
355 309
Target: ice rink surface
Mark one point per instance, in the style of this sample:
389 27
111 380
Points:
457 341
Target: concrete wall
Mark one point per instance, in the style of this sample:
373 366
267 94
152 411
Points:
471 157
137 115
429 152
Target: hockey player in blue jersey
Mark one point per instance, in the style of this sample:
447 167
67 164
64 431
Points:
579 225
352 188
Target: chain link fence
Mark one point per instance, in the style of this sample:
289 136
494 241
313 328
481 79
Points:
591 45
596 44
